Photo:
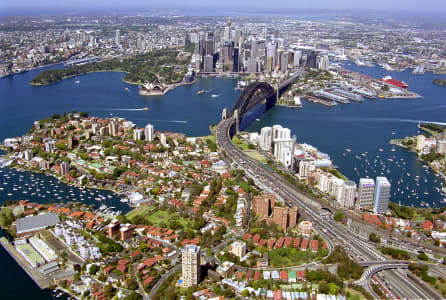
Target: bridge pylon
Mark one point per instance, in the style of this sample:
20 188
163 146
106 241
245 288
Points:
224 114
237 120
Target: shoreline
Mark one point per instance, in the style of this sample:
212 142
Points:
397 143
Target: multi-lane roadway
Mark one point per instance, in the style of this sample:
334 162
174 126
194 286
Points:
331 230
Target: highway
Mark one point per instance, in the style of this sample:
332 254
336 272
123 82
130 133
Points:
338 234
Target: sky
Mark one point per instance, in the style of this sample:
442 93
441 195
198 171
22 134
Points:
437 6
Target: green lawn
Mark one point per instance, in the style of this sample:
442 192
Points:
284 257
236 140
156 217
139 211
256 155
164 216
355 295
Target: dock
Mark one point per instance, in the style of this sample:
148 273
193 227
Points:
313 98
42 281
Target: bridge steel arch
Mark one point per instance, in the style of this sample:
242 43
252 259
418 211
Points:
253 95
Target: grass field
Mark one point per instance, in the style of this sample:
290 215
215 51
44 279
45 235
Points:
256 155
355 295
239 143
139 211
156 217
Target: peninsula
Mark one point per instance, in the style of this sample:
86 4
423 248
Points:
167 66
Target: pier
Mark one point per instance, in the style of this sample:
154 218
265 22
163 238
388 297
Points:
311 97
42 281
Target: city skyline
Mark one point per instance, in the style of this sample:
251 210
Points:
249 6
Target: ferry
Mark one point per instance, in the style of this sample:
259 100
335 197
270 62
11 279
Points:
200 92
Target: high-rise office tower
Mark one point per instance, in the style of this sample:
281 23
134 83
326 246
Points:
235 65
118 37
191 261
284 61
382 195
208 63
366 193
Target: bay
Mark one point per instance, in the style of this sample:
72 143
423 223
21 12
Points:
362 127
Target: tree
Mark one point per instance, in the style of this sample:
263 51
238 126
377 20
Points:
93 269
423 256
323 287
374 238
333 288
339 216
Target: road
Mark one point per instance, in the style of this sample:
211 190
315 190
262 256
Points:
337 233
162 279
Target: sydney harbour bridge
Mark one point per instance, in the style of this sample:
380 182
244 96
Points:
334 233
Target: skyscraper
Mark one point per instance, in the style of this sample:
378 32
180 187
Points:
118 37
382 195
235 66
252 65
208 64
366 193
191 261
284 61
149 132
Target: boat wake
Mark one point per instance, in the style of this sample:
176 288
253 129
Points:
430 108
389 120
127 109
155 120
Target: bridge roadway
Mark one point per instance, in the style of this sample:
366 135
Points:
292 197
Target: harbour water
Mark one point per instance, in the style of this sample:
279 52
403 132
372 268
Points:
366 127
363 127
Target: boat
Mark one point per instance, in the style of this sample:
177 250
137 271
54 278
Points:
395 82
214 95
200 92
77 81
126 89
257 119
145 109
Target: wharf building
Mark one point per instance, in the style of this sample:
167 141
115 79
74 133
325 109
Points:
191 265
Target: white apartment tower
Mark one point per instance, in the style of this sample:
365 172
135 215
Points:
137 134
348 194
266 138
191 260
149 132
366 193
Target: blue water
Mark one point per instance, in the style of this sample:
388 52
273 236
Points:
368 126
362 127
